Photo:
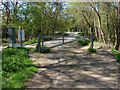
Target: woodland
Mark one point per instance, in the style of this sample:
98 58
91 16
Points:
100 19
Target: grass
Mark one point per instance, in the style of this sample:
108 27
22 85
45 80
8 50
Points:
36 41
91 50
81 33
17 68
4 40
44 50
61 34
117 55
97 42
83 42
31 41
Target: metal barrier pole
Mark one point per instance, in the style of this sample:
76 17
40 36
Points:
39 45
63 39
92 41
42 43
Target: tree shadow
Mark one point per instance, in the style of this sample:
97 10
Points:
86 70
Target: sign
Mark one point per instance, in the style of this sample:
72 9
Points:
12 37
21 34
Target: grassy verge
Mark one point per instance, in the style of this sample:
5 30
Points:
91 50
83 42
117 55
17 68
36 41
44 50
81 33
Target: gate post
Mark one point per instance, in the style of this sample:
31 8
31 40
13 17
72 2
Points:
39 45
63 39
91 41
42 43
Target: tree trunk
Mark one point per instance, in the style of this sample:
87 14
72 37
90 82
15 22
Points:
109 38
99 21
117 47
96 34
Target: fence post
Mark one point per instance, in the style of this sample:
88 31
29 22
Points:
92 41
39 45
42 43
63 39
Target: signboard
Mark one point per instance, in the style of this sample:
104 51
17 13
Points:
12 37
21 34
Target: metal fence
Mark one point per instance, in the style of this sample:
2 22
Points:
63 40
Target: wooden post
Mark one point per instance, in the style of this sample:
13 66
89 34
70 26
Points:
39 45
63 39
92 41
42 43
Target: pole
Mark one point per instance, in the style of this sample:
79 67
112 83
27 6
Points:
92 41
63 39
39 43
21 36
42 43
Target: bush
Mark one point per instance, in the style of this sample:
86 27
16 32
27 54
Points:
46 39
36 41
44 50
91 50
65 34
81 33
16 67
31 42
117 55
83 42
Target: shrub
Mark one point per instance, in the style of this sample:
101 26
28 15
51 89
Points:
46 39
81 33
36 41
14 59
117 55
83 42
43 50
16 67
31 41
91 50
65 34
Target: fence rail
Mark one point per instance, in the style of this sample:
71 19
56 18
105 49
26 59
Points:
63 40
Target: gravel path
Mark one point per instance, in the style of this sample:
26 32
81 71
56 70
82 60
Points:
70 66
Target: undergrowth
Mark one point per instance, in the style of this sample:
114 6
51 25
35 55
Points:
91 50
117 55
17 68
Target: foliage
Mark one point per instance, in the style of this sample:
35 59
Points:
36 41
83 42
91 50
30 42
4 40
16 67
65 34
81 33
45 50
47 39
46 18
117 55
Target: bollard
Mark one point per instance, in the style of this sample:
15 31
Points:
39 43
42 43
92 41
63 39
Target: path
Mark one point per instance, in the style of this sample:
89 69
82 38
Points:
69 66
